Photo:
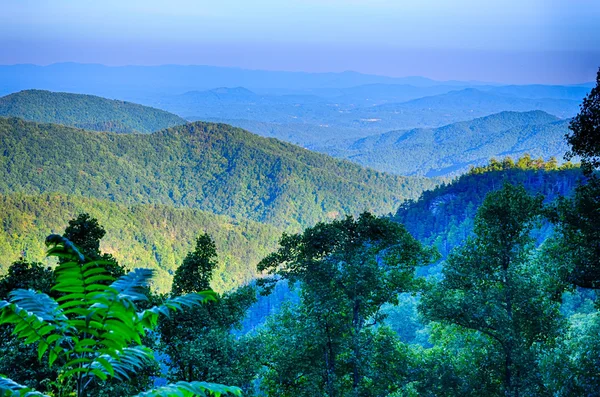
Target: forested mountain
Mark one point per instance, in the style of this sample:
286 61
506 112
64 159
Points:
144 235
213 167
86 111
452 149
444 216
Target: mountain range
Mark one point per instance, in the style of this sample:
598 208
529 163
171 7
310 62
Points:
452 149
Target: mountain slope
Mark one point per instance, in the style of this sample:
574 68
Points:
452 149
444 216
149 236
213 167
86 111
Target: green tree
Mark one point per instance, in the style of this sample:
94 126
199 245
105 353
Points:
17 360
199 341
572 367
197 269
577 221
491 285
93 330
85 232
584 137
349 269
578 218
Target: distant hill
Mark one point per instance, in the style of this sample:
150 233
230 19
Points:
539 91
471 102
134 82
452 149
331 117
147 235
213 167
86 111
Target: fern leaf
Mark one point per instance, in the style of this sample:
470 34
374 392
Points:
149 318
32 328
126 361
10 388
38 304
132 285
191 389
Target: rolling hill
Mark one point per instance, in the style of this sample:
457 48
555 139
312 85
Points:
149 236
452 149
86 111
212 167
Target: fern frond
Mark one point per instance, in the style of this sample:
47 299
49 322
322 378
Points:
10 388
62 247
191 389
32 328
149 318
132 285
127 361
38 304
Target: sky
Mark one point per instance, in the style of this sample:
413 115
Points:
509 41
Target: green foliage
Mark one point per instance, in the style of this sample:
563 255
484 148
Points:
348 270
190 389
196 271
86 111
154 235
444 216
584 137
212 167
94 330
199 342
492 285
577 221
26 275
571 368
461 362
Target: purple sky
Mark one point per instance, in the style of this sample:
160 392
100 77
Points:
510 41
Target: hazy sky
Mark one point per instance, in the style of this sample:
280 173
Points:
515 41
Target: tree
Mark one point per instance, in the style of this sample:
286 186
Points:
26 275
572 367
199 341
585 131
578 218
196 271
348 270
577 221
491 285
93 330
85 232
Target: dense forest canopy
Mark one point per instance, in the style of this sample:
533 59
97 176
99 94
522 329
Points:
212 167
86 111
144 235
